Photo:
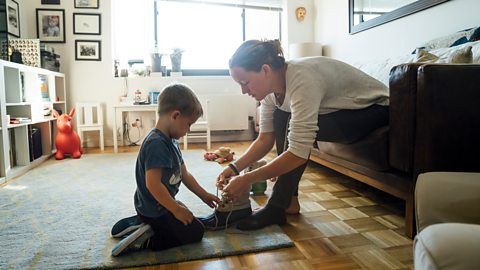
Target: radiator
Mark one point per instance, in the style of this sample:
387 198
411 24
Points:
229 112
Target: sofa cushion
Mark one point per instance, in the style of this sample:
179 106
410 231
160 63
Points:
445 53
461 55
370 152
457 38
448 246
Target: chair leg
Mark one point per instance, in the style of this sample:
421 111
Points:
102 143
209 140
185 142
80 135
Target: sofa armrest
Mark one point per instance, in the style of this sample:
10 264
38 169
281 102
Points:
447 128
447 197
434 118
403 96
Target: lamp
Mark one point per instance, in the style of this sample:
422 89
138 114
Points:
304 49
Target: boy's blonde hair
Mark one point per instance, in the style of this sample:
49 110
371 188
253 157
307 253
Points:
177 96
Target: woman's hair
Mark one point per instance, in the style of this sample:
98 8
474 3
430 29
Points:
252 54
179 97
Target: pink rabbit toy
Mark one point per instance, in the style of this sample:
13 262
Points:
67 140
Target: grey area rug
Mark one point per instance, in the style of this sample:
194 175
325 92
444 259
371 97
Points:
59 216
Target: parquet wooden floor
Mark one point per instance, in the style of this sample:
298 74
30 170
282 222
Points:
343 224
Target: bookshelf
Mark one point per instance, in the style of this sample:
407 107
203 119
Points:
27 126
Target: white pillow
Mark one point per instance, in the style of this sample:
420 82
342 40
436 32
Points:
462 55
445 52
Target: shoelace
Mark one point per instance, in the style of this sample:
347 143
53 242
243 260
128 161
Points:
224 200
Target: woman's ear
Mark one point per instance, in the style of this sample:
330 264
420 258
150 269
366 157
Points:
266 68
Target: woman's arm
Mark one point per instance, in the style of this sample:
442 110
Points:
257 150
280 165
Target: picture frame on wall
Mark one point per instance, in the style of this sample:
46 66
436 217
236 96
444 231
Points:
87 23
13 18
88 50
87 4
51 25
50 2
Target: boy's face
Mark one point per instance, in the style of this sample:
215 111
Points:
180 124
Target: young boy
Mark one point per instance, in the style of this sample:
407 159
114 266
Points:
165 222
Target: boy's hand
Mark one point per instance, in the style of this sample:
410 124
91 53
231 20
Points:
210 200
183 214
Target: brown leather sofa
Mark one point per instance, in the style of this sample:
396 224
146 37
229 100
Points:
434 126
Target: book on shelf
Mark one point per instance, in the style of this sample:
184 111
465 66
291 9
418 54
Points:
20 120
12 152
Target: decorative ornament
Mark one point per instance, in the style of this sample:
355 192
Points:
300 12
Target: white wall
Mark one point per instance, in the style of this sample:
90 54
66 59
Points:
93 80
395 38
296 31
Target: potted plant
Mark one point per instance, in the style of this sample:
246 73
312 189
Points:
176 59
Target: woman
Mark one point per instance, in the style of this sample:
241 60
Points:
302 100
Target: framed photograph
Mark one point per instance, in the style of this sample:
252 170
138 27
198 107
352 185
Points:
50 2
89 50
13 18
86 4
87 23
51 25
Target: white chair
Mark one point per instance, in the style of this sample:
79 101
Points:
89 118
201 128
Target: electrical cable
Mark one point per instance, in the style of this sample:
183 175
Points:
127 133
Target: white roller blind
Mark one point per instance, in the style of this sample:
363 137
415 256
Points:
260 4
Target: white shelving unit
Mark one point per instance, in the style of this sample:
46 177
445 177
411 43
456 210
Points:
29 93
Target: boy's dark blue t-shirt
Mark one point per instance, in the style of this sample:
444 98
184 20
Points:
157 151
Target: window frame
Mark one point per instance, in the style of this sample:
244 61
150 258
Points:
216 72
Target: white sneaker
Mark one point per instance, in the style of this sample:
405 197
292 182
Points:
136 241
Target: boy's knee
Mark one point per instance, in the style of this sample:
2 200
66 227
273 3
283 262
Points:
195 231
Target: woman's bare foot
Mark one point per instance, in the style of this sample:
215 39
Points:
294 207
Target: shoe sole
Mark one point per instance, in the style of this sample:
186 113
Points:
126 226
125 243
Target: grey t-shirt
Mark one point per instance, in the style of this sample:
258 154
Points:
319 85
157 151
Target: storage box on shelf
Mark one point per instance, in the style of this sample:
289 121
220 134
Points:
28 128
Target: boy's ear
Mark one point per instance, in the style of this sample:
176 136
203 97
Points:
175 114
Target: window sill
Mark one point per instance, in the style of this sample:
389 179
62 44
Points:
190 73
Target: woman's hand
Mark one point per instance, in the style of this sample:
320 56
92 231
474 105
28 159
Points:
225 174
210 200
183 214
236 187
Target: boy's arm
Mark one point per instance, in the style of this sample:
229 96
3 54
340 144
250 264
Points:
192 184
163 197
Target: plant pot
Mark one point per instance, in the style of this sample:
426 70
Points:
156 62
176 60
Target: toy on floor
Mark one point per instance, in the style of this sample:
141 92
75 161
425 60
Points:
258 188
221 155
67 141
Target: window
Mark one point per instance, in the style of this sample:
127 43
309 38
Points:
208 33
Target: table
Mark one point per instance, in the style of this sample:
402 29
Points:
120 109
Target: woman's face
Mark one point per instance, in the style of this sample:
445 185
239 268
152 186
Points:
254 84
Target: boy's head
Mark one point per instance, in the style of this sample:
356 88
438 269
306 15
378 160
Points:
180 103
